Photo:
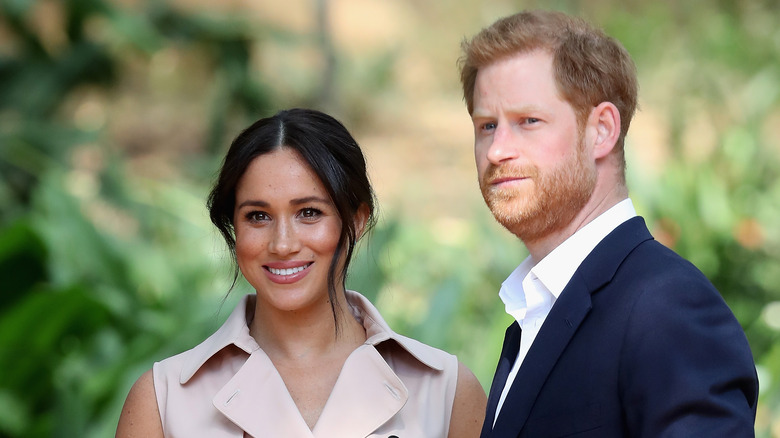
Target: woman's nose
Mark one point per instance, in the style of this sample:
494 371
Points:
284 239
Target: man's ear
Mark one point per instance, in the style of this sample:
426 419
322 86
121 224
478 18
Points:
360 218
605 118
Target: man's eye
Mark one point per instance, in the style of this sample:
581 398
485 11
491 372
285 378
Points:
531 120
489 126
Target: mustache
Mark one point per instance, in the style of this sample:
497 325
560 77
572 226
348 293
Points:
494 172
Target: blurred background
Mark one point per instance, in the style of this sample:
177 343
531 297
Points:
115 115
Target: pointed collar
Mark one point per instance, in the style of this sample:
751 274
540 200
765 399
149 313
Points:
377 331
257 400
555 270
235 331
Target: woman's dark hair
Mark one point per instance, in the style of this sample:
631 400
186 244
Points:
330 151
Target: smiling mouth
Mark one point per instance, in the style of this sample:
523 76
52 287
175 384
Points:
288 271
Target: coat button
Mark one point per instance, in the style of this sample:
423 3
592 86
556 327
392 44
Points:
392 392
230 399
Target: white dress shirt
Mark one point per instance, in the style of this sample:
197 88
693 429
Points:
530 291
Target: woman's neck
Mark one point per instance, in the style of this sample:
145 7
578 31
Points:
309 333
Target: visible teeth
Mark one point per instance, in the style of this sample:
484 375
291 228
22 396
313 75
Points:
289 271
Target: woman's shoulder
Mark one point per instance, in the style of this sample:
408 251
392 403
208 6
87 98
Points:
140 416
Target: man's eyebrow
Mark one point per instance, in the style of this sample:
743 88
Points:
476 114
523 109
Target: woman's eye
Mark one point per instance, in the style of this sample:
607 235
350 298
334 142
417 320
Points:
256 216
310 213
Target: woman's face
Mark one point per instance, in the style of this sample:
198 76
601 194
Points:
287 230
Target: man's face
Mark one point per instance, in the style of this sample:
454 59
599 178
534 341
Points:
534 171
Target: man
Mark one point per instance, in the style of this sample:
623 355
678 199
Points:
615 335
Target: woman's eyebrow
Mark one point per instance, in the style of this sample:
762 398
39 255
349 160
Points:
253 203
309 199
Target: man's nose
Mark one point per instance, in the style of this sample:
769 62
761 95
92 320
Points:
503 145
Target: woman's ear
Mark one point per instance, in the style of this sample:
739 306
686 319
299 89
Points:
605 118
361 218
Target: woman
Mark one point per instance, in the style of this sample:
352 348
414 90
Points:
303 357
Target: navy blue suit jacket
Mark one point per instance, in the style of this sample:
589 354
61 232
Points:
639 344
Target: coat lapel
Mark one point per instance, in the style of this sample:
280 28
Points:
256 400
367 394
508 356
556 332
561 324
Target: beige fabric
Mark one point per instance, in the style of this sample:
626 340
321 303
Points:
228 387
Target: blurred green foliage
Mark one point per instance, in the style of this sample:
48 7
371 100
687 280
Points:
103 271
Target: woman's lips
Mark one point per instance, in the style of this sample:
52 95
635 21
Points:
287 272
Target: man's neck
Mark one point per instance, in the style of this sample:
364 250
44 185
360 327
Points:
539 248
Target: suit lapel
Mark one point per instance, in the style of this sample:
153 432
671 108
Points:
508 356
565 317
561 324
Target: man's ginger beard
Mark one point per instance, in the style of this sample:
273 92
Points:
546 202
